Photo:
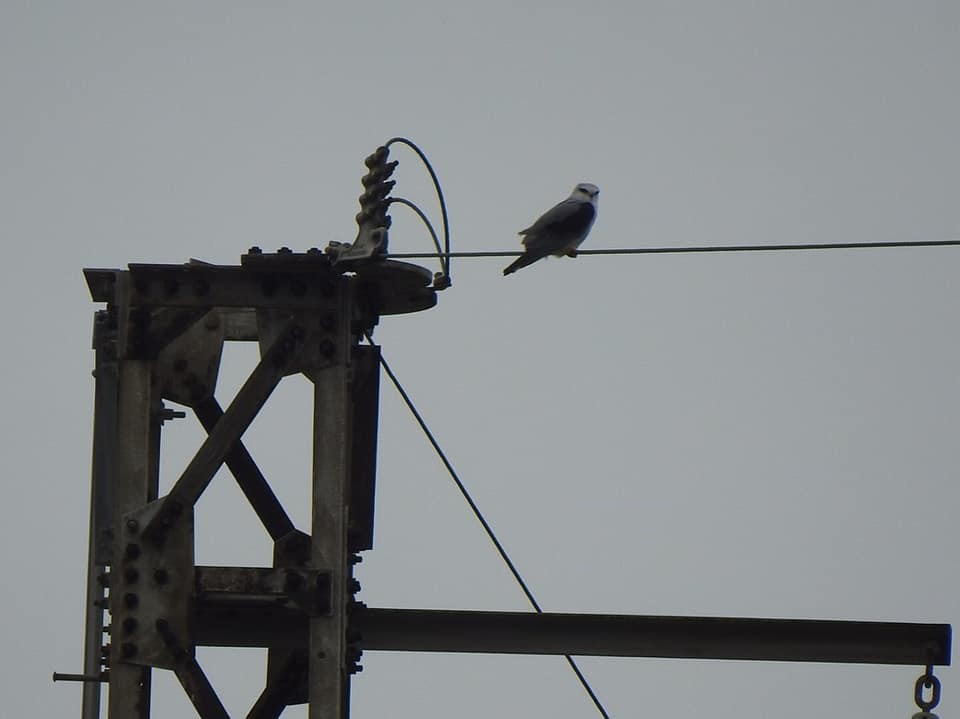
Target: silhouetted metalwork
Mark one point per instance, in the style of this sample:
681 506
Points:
160 339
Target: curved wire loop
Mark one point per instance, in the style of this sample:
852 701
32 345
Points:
445 253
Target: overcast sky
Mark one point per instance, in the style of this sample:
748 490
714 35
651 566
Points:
735 435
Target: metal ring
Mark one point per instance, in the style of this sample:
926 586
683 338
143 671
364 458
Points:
928 681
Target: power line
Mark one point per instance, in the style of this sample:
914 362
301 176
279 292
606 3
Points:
693 249
486 526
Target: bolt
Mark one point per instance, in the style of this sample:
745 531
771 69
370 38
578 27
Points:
130 575
284 251
212 321
131 600
314 251
355 559
254 251
108 629
354 586
355 668
128 649
166 414
132 551
161 576
133 525
103 579
130 625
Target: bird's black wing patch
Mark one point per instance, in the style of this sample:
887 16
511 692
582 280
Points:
569 218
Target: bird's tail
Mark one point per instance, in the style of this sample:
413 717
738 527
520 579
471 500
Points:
521 261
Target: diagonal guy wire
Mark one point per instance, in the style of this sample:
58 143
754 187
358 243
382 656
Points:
487 528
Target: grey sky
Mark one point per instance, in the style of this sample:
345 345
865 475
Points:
751 435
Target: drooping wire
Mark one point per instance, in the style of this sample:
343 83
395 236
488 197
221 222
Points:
445 255
486 526
422 216
692 249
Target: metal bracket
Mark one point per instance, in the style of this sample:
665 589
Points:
152 589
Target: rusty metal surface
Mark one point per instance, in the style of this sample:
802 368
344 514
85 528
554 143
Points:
169 323
240 324
153 329
307 590
188 365
135 484
329 680
154 586
282 280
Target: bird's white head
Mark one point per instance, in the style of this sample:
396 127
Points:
586 192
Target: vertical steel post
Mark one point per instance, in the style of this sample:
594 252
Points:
328 677
135 484
100 546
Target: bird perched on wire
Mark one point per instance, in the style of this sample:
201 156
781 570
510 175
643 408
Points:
561 229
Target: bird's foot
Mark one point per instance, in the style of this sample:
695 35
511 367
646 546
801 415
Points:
571 252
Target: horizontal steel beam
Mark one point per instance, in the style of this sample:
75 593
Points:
418 630
793 640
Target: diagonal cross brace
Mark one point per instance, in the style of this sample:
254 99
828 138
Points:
228 430
249 477
191 677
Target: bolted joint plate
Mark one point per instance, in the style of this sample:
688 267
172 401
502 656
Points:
301 341
384 287
187 367
283 280
150 597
